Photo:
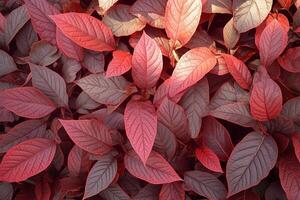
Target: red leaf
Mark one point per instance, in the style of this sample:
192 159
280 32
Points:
266 98
121 21
26 102
290 60
78 161
151 12
91 33
147 63
296 144
100 176
216 137
68 47
208 158
250 161
50 83
27 159
42 24
238 70
272 43
289 174
195 104
172 191
23 131
181 20
191 68
90 135
141 126
42 190
156 170
120 64
205 184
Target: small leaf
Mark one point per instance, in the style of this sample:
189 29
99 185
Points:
6 191
141 126
27 159
121 21
217 6
50 83
230 34
100 176
114 192
94 62
156 171
181 20
191 68
205 184
105 5
90 135
290 60
250 161
7 63
120 64
26 102
296 144
147 63
91 33
44 54
172 191
238 70
42 24
78 161
208 159
110 91
248 14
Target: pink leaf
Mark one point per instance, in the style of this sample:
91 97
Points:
27 159
90 135
247 164
120 64
141 126
181 20
26 102
91 33
147 62
290 60
208 158
156 170
78 161
191 68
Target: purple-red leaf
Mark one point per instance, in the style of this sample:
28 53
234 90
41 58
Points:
156 170
208 159
172 191
27 159
141 126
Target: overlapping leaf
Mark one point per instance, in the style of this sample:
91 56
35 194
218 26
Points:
7 64
172 191
120 63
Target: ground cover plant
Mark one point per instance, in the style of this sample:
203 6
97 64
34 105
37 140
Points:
145 100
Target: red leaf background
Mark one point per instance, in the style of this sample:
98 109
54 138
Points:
158 99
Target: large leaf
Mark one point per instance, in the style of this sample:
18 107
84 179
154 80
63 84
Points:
238 70
100 176
289 174
250 161
26 102
141 126
205 184
215 136
266 97
195 104
191 67
110 91
121 21
91 33
272 43
173 117
156 170
248 14
27 159
147 62
42 24
21 132
14 22
151 12
90 135
7 64
181 20
172 191
120 64
50 83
